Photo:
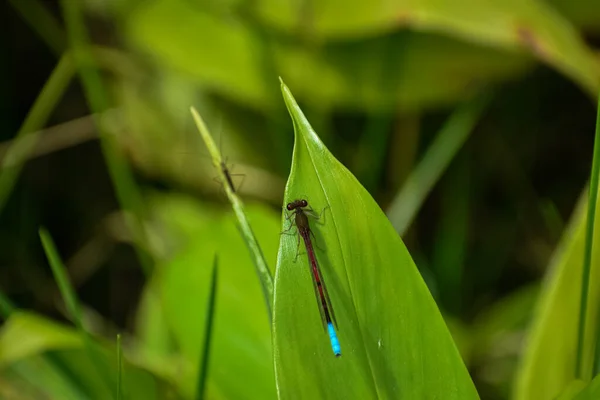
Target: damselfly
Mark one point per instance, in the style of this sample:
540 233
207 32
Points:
300 211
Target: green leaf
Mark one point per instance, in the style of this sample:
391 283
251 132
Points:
435 162
572 390
53 358
26 138
548 364
71 302
587 258
425 70
119 368
591 391
579 390
512 24
394 341
563 344
241 364
210 314
48 336
585 14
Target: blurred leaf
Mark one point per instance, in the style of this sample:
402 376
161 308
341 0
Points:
584 14
591 223
572 390
220 54
40 375
53 358
17 341
435 162
496 339
43 22
591 391
25 141
61 276
580 390
511 25
6 306
128 194
548 364
504 317
394 341
72 304
241 361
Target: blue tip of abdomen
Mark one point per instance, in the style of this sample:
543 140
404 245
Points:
335 343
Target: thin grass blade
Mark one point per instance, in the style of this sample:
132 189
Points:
72 303
210 314
430 169
262 269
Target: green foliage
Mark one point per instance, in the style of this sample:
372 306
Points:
394 341
381 62
54 360
551 360
240 358
427 173
26 138
420 70
334 76
262 270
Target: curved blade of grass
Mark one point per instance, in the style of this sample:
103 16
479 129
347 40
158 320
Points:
587 257
42 22
262 270
119 367
559 348
61 277
25 140
70 298
210 313
447 143
126 190
394 341
549 362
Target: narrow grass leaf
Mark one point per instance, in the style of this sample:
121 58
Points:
61 277
119 367
394 342
262 269
241 339
587 257
26 139
442 151
210 313
549 361
43 22
127 192
70 298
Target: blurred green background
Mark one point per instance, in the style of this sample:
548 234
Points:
503 93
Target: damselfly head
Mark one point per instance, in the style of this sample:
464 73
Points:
299 203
